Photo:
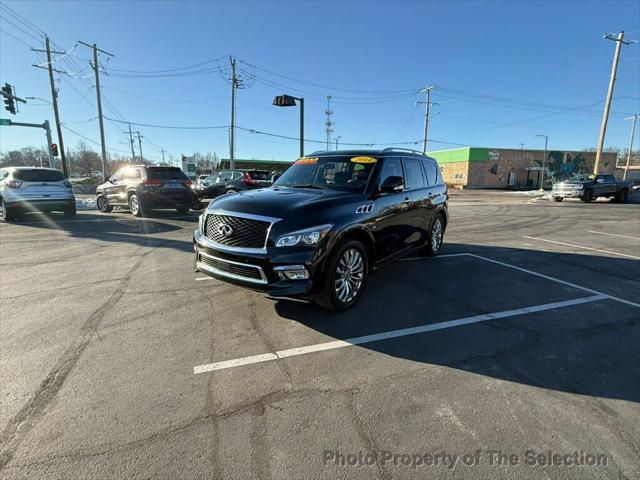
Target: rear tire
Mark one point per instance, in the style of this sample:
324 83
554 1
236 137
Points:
345 277
622 196
558 199
70 211
135 205
587 197
102 204
436 236
7 214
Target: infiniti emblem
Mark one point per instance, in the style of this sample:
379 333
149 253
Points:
225 229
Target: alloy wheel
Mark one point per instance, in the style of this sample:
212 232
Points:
436 235
349 275
133 205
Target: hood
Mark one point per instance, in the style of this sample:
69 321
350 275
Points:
280 202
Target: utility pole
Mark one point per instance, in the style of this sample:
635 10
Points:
140 145
544 161
633 131
98 98
427 103
133 153
329 123
54 101
337 138
612 81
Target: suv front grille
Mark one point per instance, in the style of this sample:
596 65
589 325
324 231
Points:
236 231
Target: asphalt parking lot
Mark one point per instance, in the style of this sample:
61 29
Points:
518 343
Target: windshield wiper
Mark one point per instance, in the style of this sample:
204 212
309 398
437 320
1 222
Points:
305 185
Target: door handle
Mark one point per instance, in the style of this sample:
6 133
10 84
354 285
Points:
407 201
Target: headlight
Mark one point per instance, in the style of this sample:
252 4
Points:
307 237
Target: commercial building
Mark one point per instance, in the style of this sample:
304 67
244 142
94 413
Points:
241 164
473 167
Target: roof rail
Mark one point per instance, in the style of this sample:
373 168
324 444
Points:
393 149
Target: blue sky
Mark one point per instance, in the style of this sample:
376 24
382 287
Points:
502 70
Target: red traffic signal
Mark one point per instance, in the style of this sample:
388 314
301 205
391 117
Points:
54 149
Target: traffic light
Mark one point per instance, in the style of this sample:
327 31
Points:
54 149
9 102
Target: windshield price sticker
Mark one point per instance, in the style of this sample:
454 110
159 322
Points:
364 160
306 161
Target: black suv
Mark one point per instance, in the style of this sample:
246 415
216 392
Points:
144 187
232 181
329 220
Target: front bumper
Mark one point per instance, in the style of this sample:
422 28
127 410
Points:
256 270
567 193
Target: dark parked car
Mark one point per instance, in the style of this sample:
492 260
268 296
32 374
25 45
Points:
145 187
590 187
330 220
232 181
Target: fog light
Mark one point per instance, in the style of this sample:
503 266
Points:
292 272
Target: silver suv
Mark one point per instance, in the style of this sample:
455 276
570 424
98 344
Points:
24 189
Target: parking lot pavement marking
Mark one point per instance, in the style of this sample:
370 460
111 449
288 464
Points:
198 279
376 337
413 259
553 279
615 235
585 248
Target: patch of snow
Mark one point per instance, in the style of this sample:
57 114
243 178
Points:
85 204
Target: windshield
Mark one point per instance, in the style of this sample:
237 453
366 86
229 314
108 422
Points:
581 177
339 172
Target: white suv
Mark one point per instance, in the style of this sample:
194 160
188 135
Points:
25 189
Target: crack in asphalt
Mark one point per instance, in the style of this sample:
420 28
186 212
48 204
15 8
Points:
35 409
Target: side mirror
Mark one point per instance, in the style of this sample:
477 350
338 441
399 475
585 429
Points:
392 185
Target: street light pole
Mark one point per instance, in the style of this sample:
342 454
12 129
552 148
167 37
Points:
544 161
290 101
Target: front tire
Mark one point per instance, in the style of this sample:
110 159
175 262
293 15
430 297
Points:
135 205
344 278
102 204
587 197
183 210
558 199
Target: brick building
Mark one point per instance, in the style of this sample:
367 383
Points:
473 167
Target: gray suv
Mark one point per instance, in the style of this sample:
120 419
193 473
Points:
24 189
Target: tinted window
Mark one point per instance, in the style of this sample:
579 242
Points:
414 178
132 173
174 173
390 168
431 169
38 175
609 179
117 176
260 175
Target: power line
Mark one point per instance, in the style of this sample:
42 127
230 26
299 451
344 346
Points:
15 38
176 127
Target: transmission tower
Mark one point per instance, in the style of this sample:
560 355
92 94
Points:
329 122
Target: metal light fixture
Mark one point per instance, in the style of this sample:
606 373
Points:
289 101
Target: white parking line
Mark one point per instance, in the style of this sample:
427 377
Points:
377 337
585 248
198 279
615 235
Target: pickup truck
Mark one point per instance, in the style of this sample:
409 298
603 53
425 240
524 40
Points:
589 187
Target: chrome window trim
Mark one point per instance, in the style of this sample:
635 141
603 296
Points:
209 268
